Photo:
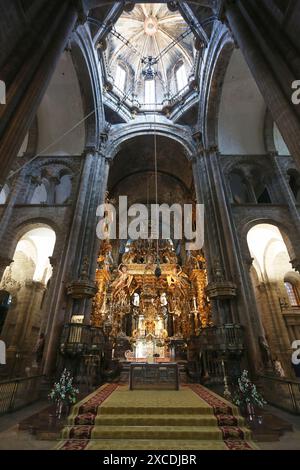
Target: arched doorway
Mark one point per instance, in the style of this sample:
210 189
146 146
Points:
26 282
151 289
276 287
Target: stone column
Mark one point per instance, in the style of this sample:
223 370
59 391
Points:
279 105
229 287
79 265
6 234
53 181
20 111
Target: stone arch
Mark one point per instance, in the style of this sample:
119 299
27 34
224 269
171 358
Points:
284 228
221 46
239 186
84 59
19 230
125 133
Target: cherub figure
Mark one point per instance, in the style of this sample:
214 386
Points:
130 256
178 279
123 281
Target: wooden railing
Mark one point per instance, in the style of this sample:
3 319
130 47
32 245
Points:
281 392
16 393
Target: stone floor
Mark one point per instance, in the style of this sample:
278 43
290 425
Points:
290 440
13 439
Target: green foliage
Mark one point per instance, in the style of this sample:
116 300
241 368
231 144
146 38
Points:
246 393
64 390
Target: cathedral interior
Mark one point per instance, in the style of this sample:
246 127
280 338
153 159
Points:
175 103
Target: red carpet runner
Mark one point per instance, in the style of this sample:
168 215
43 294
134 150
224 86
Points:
233 435
230 424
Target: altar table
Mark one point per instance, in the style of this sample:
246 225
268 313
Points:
157 375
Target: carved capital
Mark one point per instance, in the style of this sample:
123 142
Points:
4 262
249 261
221 290
108 161
212 149
53 261
90 150
296 264
82 289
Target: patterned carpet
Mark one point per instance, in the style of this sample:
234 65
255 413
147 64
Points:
193 418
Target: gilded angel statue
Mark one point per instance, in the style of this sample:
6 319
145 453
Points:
123 281
178 279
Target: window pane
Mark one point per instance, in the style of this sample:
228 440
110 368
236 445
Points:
120 78
181 78
150 98
292 295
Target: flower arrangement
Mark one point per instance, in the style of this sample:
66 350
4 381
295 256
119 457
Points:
246 394
64 391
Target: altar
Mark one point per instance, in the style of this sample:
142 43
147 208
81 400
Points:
161 375
150 306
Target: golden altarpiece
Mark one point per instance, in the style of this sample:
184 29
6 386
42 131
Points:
150 299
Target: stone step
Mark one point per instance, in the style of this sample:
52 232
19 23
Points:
159 420
154 410
147 444
155 432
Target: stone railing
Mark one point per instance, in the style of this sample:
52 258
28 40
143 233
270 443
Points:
281 392
17 393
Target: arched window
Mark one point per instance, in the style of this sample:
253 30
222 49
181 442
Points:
4 194
63 189
150 94
239 189
181 77
40 195
292 293
261 192
120 78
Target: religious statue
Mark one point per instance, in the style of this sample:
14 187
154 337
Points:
178 280
278 368
130 256
168 255
265 351
105 259
218 271
85 268
123 281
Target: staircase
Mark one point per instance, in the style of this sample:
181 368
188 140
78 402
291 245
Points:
156 419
